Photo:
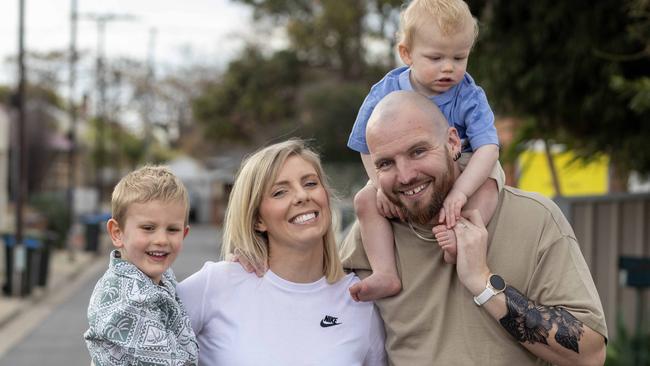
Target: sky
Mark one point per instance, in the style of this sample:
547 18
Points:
185 30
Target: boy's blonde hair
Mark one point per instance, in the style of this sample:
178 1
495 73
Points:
450 16
255 177
146 184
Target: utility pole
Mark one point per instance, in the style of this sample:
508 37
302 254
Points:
19 251
101 20
149 95
72 109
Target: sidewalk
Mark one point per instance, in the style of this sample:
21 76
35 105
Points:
62 272
50 332
19 316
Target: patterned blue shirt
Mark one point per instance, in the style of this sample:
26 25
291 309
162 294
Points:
134 321
464 105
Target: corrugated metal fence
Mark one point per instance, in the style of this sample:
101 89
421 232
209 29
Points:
608 227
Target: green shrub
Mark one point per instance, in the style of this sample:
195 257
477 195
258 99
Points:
627 349
54 207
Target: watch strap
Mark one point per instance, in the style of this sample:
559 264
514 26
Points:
490 290
484 296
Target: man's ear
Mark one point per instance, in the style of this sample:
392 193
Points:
404 53
115 232
453 140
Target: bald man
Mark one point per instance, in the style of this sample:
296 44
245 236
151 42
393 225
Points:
520 293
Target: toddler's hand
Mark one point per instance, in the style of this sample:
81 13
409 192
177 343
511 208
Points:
452 206
387 208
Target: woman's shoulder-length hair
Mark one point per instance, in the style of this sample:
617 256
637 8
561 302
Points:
255 177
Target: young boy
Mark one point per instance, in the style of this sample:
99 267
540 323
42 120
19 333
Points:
134 314
436 39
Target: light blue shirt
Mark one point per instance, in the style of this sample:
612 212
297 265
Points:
464 105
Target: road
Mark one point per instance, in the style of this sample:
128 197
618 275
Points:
58 341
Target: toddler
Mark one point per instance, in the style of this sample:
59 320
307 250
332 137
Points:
436 38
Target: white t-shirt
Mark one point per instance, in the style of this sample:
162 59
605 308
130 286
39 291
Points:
243 320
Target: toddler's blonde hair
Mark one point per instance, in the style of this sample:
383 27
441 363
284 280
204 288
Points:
450 16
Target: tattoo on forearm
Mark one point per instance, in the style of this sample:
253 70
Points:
532 323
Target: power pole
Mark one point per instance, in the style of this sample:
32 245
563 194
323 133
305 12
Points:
72 109
101 20
149 95
19 250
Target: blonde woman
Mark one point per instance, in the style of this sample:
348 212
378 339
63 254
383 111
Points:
299 312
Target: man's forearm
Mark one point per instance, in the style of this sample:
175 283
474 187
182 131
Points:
532 323
551 332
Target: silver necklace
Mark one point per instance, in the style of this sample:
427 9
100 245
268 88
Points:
420 235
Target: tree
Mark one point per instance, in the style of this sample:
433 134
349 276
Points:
327 113
42 108
333 33
256 95
552 62
324 33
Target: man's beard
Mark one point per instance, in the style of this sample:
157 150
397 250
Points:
424 215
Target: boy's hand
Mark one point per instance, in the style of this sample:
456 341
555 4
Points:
387 208
451 208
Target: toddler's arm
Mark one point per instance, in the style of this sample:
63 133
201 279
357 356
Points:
385 207
475 174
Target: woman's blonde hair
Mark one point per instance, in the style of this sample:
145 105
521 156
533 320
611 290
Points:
450 16
254 179
146 184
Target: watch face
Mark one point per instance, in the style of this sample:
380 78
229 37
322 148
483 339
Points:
497 282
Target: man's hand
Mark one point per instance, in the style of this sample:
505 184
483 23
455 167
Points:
451 207
471 262
387 208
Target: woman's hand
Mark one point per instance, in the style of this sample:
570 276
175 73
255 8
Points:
246 264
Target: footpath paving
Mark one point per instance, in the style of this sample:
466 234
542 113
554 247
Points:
46 328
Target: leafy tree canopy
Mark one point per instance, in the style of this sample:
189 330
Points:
256 93
565 65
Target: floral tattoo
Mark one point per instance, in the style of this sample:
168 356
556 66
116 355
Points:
532 323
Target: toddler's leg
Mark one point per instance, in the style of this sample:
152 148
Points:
447 241
378 242
484 200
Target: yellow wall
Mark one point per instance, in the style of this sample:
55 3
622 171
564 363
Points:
575 179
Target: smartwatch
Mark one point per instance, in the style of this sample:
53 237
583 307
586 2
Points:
495 285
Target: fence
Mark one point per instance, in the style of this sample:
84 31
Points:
608 227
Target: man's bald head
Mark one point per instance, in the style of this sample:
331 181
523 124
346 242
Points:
391 110
412 147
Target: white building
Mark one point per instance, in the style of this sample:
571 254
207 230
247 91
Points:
208 189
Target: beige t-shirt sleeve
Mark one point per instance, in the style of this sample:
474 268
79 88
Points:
562 278
352 253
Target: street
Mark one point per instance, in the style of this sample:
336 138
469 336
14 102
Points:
58 341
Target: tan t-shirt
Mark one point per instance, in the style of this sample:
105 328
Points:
434 319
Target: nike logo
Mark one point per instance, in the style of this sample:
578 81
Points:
329 321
